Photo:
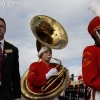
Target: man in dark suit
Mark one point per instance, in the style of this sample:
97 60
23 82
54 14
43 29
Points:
9 68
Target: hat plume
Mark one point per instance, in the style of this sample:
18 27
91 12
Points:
95 8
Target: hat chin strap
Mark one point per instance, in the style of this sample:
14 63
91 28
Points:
96 43
98 34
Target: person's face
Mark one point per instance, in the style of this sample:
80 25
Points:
46 54
2 29
81 82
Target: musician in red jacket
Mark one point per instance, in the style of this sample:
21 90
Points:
41 71
80 79
91 60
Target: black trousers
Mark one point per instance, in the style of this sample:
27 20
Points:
0 94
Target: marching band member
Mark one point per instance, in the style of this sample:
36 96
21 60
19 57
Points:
91 58
80 79
40 72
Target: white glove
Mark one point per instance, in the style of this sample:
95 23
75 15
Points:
52 72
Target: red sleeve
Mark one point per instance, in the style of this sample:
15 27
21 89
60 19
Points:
90 73
34 78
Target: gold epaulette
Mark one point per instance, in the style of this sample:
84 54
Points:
8 41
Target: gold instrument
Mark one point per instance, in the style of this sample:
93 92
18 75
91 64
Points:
49 33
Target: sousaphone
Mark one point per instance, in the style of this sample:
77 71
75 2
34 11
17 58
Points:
49 33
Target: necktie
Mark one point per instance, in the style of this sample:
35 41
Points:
0 60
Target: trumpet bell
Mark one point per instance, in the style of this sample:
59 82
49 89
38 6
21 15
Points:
48 32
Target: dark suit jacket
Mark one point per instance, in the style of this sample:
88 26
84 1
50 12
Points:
10 73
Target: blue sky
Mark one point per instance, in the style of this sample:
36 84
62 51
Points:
73 15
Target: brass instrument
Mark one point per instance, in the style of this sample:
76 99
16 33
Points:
49 33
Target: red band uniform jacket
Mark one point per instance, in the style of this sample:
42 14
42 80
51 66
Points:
91 70
36 76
